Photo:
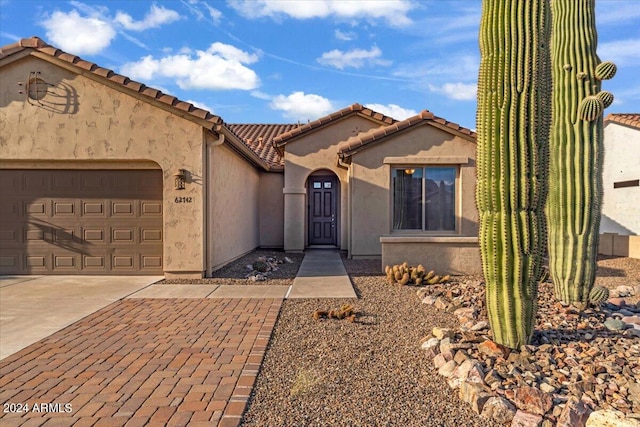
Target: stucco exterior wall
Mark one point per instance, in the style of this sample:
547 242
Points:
370 184
233 205
621 206
313 152
271 201
81 119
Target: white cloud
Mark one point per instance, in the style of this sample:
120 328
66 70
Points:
80 35
301 106
218 68
261 95
200 105
457 91
392 11
345 36
393 110
155 17
620 51
355 58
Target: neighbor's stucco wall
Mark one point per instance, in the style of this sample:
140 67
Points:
234 224
316 151
370 183
81 119
271 201
621 206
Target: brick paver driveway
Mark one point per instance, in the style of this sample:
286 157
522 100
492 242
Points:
142 361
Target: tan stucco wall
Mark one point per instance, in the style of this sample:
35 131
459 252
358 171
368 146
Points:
370 184
234 212
313 152
444 255
271 210
82 120
620 207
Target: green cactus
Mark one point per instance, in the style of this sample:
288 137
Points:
575 150
598 295
514 87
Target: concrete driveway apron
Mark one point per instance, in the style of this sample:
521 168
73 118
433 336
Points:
34 307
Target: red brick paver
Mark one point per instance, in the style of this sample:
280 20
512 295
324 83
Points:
142 361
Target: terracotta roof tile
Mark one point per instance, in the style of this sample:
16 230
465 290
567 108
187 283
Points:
629 119
41 46
351 145
322 121
259 137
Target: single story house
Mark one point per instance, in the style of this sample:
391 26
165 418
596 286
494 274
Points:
104 175
620 222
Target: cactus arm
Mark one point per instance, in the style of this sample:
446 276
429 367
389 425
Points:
576 151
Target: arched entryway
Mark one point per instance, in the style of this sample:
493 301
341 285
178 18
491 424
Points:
323 197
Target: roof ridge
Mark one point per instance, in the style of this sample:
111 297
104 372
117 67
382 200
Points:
336 115
36 43
349 146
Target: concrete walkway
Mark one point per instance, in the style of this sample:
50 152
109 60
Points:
322 275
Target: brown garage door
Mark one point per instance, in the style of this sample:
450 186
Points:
81 222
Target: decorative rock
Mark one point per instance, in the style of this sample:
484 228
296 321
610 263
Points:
475 395
480 326
611 418
614 325
499 410
525 419
440 359
460 374
532 400
632 320
547 388
447 369
620 302
429 300
624 291
492 349
574 414
432 347
633 389
441 333
467 312
441 304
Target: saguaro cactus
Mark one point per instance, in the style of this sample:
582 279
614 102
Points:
513 127
575 149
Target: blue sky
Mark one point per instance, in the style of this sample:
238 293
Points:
264 61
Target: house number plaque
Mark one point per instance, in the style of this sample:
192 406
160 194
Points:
183 200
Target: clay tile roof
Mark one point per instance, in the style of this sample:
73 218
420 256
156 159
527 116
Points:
41 46
322 121
628 119
259 137
351 145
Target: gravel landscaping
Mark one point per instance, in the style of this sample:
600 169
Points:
331 372
373 371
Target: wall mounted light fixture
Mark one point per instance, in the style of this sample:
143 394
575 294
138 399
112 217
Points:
409 171
180 179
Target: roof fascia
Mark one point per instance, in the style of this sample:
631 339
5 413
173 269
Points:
120 88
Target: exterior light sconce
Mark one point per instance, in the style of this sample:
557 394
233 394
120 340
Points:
180 179
409 171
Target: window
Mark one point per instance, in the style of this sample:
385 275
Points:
424 198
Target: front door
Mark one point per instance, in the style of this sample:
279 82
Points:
322 210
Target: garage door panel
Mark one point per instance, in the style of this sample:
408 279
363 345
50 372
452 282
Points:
92 208
122 208
82 222
36 208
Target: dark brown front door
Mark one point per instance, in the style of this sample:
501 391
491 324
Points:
322 210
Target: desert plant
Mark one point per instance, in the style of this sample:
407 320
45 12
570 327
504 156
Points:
575 150
512 128
260 266
598 295
404 274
